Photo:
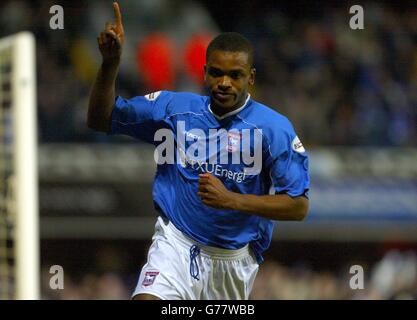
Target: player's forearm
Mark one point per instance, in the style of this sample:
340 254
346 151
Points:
102 96
274 207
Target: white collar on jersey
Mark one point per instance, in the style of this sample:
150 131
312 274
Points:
231 113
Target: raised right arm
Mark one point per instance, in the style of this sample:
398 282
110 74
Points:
102 93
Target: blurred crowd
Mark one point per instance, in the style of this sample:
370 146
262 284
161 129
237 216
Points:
393 277
337 85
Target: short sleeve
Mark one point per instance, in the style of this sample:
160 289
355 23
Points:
288 163
140 117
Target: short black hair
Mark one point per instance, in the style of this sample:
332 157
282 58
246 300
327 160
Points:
232 42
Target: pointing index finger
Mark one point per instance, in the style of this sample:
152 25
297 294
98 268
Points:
117 14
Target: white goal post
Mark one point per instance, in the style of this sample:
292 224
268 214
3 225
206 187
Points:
19 214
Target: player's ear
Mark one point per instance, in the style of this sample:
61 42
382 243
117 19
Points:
252 76
205 71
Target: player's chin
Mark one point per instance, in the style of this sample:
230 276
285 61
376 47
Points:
229 103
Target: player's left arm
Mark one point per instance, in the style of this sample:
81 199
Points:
274 207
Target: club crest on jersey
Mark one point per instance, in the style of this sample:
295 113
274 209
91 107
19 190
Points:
152 96
233 141
297 146
149 278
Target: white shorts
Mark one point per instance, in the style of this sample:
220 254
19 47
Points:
179 268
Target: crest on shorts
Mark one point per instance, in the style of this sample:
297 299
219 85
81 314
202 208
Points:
233 141
149 278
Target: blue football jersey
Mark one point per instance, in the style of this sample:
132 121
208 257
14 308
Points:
252 150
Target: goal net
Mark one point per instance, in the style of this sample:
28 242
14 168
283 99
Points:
19 239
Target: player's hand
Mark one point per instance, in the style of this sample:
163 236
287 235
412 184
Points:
213 193
111 39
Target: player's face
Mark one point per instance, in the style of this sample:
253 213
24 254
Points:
228 76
